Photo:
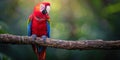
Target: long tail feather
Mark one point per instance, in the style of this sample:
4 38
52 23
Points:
42 55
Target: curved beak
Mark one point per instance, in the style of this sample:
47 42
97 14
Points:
48 9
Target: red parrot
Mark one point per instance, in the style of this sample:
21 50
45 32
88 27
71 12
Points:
39 26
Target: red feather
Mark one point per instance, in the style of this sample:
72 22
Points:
39 27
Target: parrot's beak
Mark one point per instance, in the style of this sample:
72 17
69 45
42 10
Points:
48 9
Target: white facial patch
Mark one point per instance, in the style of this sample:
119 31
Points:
42 7
48 9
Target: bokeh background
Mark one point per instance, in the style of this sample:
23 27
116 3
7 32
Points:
70 20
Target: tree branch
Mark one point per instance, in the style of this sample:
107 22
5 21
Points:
62 44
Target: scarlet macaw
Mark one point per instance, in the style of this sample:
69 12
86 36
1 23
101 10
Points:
39 26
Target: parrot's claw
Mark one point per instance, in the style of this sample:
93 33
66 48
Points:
34 37
44 38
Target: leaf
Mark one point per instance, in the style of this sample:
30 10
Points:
111 9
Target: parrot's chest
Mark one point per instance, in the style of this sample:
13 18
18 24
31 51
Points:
39 27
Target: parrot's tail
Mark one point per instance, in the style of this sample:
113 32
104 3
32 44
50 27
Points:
41 52
42 55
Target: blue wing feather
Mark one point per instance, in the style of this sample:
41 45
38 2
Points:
48 29
29 28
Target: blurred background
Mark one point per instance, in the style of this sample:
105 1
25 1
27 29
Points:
70 20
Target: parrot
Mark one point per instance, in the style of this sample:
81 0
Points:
39 26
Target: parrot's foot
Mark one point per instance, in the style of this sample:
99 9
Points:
44 38
34 37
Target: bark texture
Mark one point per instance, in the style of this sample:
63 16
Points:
62 44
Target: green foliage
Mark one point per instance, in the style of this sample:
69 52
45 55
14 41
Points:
111 9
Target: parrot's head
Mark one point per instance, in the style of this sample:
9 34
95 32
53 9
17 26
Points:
41 10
